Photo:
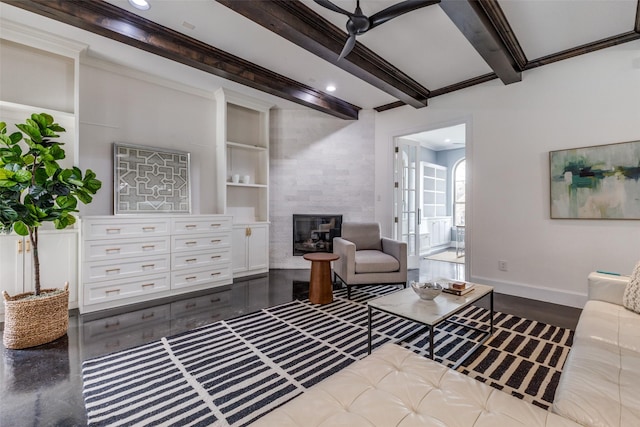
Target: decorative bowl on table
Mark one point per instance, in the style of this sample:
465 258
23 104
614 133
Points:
426 290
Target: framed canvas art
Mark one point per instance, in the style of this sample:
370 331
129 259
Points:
599 182
150 180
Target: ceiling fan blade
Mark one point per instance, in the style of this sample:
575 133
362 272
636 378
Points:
397 10
331 6
348 46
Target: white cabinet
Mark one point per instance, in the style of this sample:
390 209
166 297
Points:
250 249
58 251
434 190
439 231
129 259
242 152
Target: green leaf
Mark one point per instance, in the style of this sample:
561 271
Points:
15 137
67 202
84 197
3 127
21 228
22 175
51 167
57 153
31 130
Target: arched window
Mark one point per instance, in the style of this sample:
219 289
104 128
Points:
459 181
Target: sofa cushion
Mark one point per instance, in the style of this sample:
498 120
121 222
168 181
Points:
631 298
396 387
375 262
600 381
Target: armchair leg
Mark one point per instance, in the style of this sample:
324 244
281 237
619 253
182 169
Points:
348 292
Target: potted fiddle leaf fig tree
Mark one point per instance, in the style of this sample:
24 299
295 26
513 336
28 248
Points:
34 190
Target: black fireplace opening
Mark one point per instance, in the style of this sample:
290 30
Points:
315 233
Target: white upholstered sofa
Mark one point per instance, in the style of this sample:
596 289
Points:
599 385
600 381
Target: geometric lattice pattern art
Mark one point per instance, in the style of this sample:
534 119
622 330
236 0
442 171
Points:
148 179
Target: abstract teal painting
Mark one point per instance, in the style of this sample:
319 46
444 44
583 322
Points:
599 182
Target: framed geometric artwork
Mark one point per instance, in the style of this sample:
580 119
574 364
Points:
599 182
150 180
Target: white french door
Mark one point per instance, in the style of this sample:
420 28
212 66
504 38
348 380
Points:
407 198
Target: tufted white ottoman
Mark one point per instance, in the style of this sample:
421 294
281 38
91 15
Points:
395 387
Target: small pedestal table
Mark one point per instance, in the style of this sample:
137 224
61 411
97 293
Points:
320 285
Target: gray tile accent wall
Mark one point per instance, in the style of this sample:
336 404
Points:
318 165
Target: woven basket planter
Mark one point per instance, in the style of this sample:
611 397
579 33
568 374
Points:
32 322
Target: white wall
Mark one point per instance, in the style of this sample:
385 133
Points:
122 105
319 165
588 100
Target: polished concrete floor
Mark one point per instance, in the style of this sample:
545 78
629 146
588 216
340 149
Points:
42 386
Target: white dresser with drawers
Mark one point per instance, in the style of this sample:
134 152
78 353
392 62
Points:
130 259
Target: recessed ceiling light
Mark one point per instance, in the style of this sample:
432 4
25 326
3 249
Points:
140 4
331 88
447 140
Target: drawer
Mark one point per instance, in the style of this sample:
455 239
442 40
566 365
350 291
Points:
190 225
107 270
100 250
108 229
206 302
200 259
99 328
194 243
114 290
185 279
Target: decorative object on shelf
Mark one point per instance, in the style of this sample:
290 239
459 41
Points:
426 290
246 179
235 178
35 189
599 182
150 179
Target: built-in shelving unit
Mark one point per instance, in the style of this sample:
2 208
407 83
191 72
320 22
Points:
242 152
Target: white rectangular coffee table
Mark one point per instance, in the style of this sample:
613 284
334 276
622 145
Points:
408 305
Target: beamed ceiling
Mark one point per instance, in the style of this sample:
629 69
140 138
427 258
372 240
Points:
289 49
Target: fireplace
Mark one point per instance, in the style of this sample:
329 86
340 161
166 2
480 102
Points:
315 233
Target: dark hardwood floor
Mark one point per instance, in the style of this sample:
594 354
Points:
42 386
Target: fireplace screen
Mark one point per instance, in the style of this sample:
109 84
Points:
315 233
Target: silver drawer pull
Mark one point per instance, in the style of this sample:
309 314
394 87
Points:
190 226
148 316
216 273
112 325
145 247
148 266
190 305
112 250
215 299
190 278
112 270
147 285
149 228
112 291
191 243
215 225
191 260
216 256
216 241
113 230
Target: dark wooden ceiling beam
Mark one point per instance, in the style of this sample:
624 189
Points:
501 24
110 21
301 25
472 20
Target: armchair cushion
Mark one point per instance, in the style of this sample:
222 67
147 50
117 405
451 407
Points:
366 236
371 261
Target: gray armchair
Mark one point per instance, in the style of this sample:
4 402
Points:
366 258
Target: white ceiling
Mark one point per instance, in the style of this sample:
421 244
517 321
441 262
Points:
424 44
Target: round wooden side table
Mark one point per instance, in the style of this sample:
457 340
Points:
320 285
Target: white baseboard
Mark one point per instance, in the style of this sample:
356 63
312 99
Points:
555 296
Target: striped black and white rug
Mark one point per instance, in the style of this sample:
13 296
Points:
231 372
